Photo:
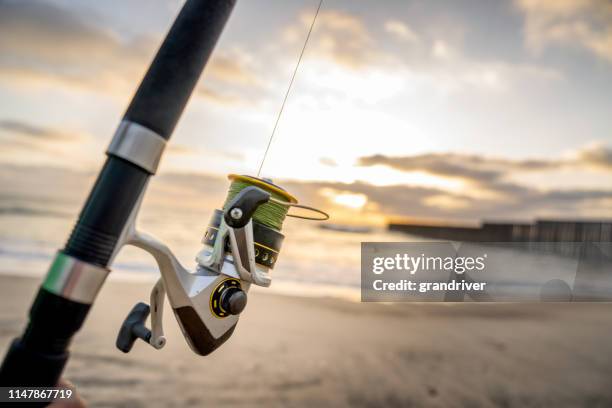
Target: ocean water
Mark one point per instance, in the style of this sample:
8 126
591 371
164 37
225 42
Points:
38 208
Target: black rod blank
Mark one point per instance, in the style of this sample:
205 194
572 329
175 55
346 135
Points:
165 89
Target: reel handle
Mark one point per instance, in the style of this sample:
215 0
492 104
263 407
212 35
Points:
133 328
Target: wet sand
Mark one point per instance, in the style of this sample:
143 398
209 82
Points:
305 352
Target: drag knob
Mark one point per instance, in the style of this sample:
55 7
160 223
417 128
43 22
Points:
233 300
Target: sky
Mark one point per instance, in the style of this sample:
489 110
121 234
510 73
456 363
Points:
453 111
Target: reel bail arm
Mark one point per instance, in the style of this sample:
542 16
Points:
238 218
242 207
134 328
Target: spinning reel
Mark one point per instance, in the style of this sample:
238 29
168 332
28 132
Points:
238 251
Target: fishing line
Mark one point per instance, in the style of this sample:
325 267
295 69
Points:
273 213
297 66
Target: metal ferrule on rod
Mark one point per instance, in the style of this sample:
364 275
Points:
74 280
138 145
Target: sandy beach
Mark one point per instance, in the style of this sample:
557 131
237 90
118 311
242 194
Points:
304 352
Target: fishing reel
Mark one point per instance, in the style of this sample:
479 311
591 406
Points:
238 251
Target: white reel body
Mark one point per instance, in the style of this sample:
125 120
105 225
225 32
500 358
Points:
207 302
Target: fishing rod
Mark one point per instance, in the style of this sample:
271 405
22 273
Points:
241 244
38 356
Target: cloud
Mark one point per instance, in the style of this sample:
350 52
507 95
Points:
342 36
23 143
339 37
432 203
21 128
450 70
233 68
328 161
223 97
41 41
401 31
472 168
580 23
45 44
484 170
421 59
489 187
40 28
597 155
181 151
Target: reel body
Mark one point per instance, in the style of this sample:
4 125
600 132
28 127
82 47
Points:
207 302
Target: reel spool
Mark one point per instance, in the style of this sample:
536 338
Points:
266 224
241 246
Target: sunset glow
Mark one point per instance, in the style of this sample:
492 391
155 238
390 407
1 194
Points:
389 105
354 201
